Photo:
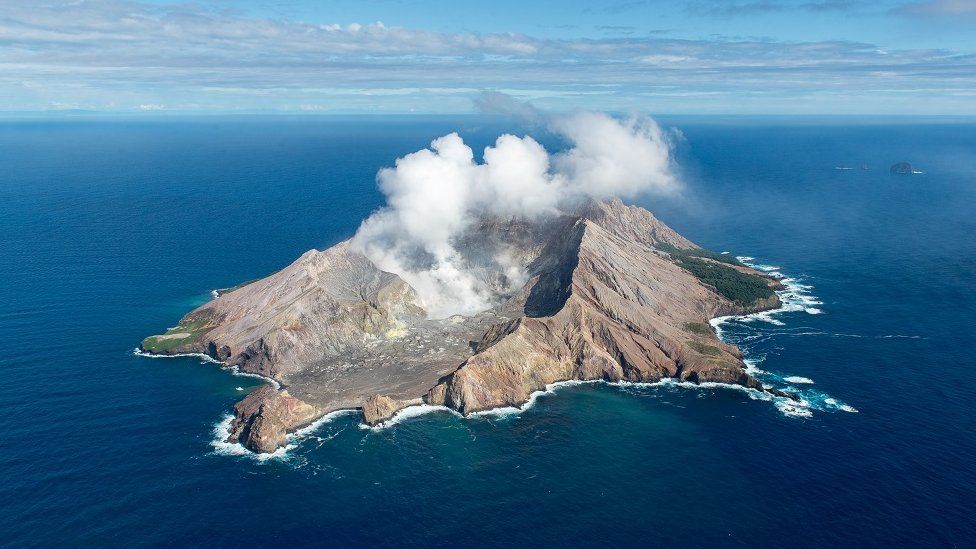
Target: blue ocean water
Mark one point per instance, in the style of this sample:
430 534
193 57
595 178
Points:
112 229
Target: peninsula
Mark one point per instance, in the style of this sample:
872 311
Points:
612 293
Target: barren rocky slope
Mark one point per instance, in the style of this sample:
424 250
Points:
607 298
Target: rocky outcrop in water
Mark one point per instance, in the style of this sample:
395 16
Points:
612 294
902 168
379 408
263 419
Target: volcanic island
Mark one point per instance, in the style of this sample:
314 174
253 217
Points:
611 293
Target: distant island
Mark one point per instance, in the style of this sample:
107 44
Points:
904 168
612 293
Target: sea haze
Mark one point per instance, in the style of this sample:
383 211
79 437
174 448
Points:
112 229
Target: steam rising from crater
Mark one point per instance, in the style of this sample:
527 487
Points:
435 195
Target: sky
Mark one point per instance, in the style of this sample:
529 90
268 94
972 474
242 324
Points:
436 56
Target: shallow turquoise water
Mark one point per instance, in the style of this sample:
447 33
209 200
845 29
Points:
111 230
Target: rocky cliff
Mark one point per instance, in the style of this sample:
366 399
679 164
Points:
612 293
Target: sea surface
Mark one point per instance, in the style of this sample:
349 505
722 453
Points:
112 229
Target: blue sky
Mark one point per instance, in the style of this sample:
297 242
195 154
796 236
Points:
434 56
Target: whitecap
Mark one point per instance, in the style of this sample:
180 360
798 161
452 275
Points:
793 409
751 366
798 379
834 403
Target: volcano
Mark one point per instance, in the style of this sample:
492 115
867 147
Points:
611 293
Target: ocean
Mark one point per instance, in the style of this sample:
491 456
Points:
112 229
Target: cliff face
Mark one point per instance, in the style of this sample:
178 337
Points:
264 417
603 301
618 312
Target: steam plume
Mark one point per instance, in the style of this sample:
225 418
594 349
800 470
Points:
434 196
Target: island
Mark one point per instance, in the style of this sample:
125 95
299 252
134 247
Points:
612 294
903 168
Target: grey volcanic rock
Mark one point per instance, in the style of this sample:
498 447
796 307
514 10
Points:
601 302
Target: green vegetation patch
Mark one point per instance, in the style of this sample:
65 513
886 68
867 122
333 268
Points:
185 332
679 253
716 271
709 350
698 328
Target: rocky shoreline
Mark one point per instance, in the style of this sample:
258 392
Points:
612 294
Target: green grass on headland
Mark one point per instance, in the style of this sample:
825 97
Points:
175 337
698 328
709 350
715 270
681 253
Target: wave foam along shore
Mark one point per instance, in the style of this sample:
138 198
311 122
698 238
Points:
221 432
412 411
796 297
234 370
798 379
790 408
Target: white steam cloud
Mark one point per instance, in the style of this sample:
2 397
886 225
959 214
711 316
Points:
435 195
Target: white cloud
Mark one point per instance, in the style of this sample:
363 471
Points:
435 195
103 52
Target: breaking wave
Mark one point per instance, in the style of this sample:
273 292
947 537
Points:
221 447
234 370
221 432
411 411
508 411
206 358
795 297
798 379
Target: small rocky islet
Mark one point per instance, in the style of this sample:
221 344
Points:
612 294
903 168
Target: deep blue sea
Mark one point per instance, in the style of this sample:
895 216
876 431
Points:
112 229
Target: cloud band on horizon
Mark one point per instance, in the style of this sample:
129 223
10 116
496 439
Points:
128 56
